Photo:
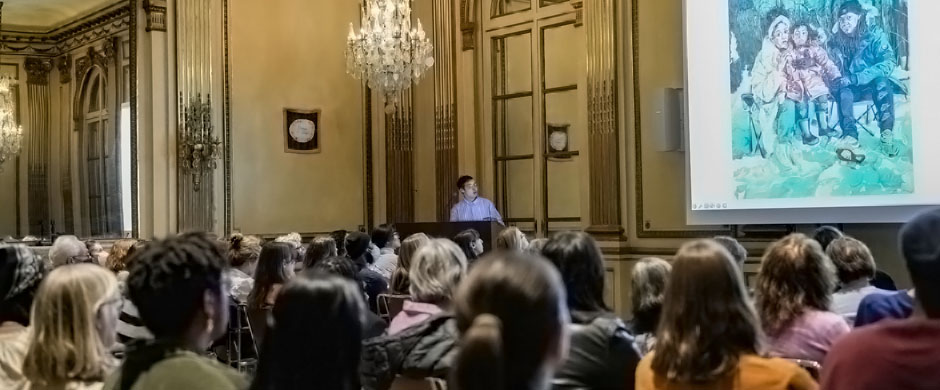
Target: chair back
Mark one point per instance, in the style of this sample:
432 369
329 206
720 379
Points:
390 305
814 368
258 323
405 383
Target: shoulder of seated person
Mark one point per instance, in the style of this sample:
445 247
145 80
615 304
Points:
189 368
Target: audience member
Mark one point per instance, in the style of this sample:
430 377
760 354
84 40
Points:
512 317
793 295
21 272
117 257
855 266
178 284
339 237
357 247
436 270
512 239
68 250
401 283
315 336
824 235
877 307
603 355
130 327
373 325
97 252
296 243
902 354
737 251
73 329
648 285
243 252
470 243
320 248
387 240
275 268
709 335
535 246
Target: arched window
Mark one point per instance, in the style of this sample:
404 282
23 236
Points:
97 155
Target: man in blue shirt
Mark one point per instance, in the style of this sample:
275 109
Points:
471 207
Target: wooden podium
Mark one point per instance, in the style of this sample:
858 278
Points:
488 230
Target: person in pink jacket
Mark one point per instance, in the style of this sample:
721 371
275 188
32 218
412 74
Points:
808 71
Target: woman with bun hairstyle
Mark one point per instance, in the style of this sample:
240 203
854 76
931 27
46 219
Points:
511 314
243 252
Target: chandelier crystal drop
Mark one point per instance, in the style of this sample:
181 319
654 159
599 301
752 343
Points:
11 133
387 53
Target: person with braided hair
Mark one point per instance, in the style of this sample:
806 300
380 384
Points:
180 290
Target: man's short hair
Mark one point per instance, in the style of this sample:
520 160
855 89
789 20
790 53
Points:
168 280
852 258
382 234
737 251
462 181
826 234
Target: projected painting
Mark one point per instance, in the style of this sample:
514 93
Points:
819 98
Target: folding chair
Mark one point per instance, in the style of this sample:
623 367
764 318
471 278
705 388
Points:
390 305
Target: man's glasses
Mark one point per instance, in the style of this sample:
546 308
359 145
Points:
80 259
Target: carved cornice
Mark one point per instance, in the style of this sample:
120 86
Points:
155 12
578 6
62 39
467 24
37 70
64 65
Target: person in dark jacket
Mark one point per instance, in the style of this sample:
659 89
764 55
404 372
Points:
357 249
603 354
426 350
373 325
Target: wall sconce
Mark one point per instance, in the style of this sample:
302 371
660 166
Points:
198 148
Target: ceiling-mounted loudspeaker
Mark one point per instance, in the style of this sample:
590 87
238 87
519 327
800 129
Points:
670 115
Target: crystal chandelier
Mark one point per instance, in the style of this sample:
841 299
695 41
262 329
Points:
387 52
11 133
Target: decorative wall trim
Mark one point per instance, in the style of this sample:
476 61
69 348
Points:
227 123
399 161
445 107
578 6
600 18
38 136
468 24
132 69
105 23
642 229
155 11
37 70
64 66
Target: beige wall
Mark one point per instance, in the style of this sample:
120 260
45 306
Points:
289 54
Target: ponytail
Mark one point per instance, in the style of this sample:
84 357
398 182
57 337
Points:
480 363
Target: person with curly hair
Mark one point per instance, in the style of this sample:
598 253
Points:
243 253
793 294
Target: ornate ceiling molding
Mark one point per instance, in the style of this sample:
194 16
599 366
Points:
37 70
62 39
155 11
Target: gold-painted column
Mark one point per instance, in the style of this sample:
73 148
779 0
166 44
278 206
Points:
445 107
37 81
399 160
600 25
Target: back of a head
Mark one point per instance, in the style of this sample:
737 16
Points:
824 235
382 234
648 291
117 257
465 241
920 246
795 276
315 312
852 259
339 237
511 314
336 265
320 248
581 264
704 285
68 344
357 244
400 282
64 248
737 251
274 267
536 245
169 279
436 270
243 249
511 239
21 272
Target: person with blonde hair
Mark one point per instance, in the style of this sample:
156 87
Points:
709 335
70 348
436 270
401 282
793 293
648 289
512 317
243 253
512 239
